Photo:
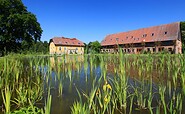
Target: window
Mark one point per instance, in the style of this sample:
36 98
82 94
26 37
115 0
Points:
148 49
165 32
129 50
132 37
154 49
64 48
152 34
66 42
144 35
78 42
117 39
127 37
170 49
60 48
76 48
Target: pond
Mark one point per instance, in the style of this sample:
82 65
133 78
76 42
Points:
113 84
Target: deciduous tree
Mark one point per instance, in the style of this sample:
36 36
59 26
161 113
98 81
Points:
94 47
183 35
17 25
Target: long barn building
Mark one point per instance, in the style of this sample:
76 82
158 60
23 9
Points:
153 39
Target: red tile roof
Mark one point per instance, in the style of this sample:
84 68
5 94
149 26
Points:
67 41
156 33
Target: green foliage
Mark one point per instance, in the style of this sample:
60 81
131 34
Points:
183 35
28 110
6 99
79 108
17 26
48 103
36 47
93 47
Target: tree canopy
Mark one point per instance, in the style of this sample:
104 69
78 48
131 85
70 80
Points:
183 35
17 26
93 47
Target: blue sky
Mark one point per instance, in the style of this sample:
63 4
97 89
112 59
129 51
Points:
91 20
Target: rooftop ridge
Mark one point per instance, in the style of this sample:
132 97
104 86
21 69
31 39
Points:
65 38
143 28
162 32
67 41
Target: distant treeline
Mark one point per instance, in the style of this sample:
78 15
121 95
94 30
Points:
183 35
25 48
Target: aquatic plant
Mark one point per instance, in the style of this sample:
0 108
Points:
6 95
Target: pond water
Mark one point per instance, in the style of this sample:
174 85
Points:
67 75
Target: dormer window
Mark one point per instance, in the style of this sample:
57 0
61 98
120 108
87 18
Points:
78 42
117 39
144 35
127 37
66 42
165 32
132 37
152 34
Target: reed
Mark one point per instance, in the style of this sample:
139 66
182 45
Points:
175 105
162 97
48 103
24 80
6 95
79 107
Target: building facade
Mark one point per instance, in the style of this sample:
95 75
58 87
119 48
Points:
62 45
153 39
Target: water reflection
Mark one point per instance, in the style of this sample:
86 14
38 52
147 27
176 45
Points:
71 72
80 78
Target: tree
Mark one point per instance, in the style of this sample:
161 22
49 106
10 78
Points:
85 48
17 25
41 47
183 35
94 47
37 47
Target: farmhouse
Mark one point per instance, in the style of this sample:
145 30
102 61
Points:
62 45
153 39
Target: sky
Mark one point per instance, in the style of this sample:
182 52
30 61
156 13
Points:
91 20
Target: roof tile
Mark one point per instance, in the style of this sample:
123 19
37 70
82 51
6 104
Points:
144 35
67 41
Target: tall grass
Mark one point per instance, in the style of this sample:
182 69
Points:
6 99
126 83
